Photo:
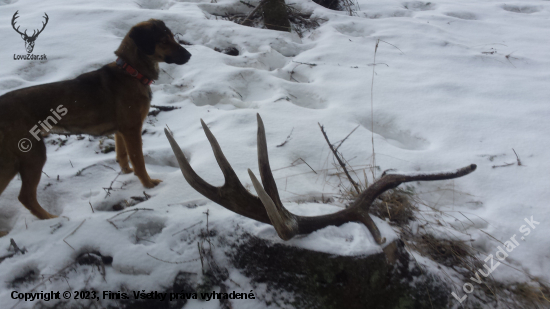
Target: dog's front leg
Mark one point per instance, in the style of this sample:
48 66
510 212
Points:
122 154
132 139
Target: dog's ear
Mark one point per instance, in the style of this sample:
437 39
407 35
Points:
145 38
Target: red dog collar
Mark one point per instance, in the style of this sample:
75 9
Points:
133 72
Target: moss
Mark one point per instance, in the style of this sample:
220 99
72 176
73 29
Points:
324 281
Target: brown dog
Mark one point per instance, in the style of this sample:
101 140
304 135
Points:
114 99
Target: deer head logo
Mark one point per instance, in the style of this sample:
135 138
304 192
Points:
29 40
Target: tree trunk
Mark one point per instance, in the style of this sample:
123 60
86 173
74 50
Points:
275 15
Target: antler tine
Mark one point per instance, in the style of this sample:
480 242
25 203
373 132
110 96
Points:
228 172
189 174
232 195
263 162
284 222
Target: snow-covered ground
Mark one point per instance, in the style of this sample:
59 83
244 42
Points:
456 82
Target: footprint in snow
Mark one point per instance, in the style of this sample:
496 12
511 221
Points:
462 15
146 232
268 60
353 29
526 9
401 13
34 70
154 4
4 2
394 135
419 6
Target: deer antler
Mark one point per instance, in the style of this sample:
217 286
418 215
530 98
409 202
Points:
13 24
268 207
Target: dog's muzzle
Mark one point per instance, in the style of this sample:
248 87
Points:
181 56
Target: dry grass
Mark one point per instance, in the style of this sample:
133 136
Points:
300 22
395 206
433 238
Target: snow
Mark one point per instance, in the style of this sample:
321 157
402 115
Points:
456 82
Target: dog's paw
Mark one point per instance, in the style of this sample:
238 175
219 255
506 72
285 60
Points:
152 183
45 216
127 170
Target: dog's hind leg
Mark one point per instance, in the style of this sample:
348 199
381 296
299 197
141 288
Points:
31 170
7 172
8 165
122 154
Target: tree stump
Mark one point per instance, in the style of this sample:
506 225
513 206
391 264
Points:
276 15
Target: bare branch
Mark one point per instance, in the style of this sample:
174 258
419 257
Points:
342 164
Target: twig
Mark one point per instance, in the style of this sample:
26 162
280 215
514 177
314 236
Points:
504 165
164 108
519 161
508 58
253 12
16 248
373 64
87 167
90 202
147 196
345 138
292 72
108 190
392 45
185 229
287 138
200 254
163 70
156 258
308 165
120 213
247 4
236 92
372 110
355 185
207 213
2 258
64 239
310 64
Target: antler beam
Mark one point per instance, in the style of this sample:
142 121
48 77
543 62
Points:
268 208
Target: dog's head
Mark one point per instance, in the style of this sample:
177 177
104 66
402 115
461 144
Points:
154 39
